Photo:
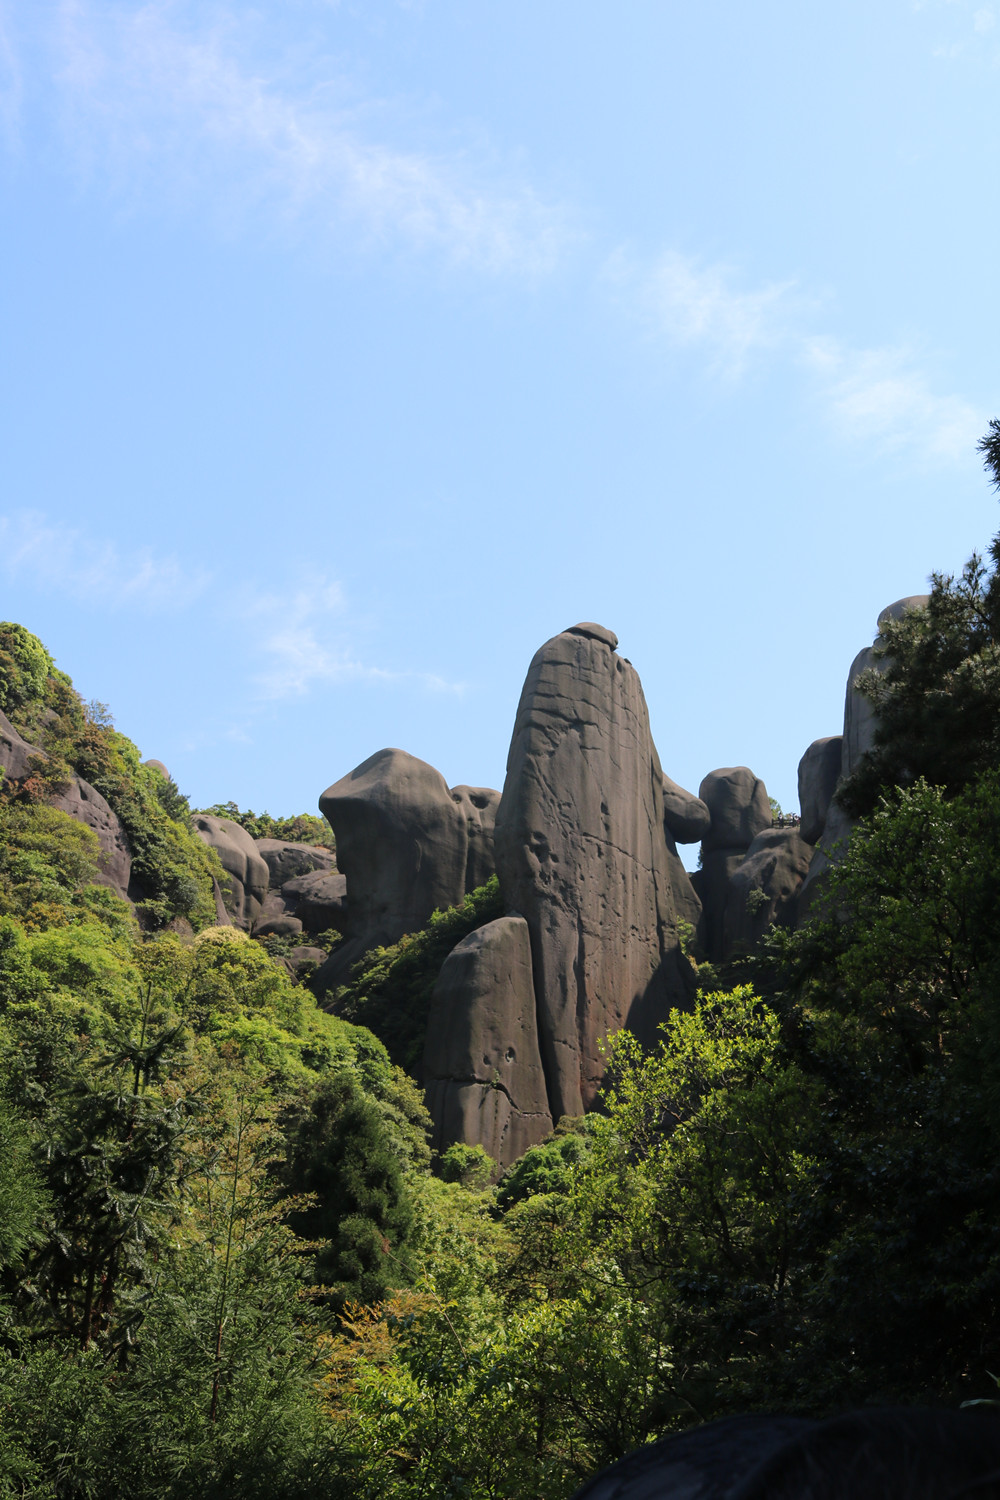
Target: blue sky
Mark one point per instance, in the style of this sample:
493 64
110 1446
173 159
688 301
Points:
352 350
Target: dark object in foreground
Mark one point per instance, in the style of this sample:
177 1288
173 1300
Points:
896 1453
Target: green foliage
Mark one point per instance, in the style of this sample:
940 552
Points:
390 989
342 1153
25 666
550 1167
938 695
22 1197
468 1165
302 828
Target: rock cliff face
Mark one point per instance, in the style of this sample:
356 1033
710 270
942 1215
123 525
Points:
582 856
482 1066
407 846
248 873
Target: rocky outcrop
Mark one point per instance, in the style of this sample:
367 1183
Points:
286 860
582 856
247 871
85 803
16 755
479 805
858 737
318 899
740 809
738 803
157 765
403 844
686 816
482 1066
763 889
819 772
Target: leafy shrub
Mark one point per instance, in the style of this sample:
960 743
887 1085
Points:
25 666
390 989
302 828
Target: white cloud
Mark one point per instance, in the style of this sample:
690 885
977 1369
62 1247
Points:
695 304
881 395
303 642
878 395
92 571
150 101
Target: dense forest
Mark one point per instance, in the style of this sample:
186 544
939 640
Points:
231 1267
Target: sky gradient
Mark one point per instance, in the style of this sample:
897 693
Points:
350 351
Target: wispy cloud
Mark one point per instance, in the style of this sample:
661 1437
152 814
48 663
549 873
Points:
878 395
694 304
882 395
55 557
150 99
302 642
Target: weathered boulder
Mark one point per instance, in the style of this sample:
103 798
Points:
479 805
16 754
858 737
711 884
582 856
819 772
892 1453
482 1066
283 926
764 887
402 844
687 817
248 874
319 899
738 804
286 860
85 803
740 809
157 765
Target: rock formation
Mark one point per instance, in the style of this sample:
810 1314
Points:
403 844
763 889
819 772
482 1067
247 871
858 737
479 805
686 816
738 803
84 802
582 856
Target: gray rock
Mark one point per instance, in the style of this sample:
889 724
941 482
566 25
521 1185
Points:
482 1066
277 927
819 772
479 805
305 959
157 765
764 887
248 874
85 803
319 899
286 860
582 855
711 883
687 904
16 754
402 843
738 804
901 607
687 818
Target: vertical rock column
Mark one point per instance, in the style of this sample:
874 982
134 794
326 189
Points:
582 855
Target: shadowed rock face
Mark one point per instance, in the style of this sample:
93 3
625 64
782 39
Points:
582 856
285 860
482 1067
775 866
686 816
402 844
85 803
819 772
479 805
740 809
896 1453
248 874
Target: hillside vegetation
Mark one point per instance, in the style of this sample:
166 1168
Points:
230 1267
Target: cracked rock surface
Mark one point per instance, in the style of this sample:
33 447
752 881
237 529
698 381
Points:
582 855
482 1066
